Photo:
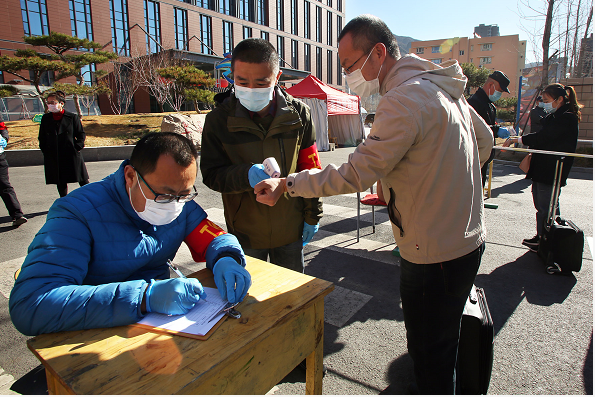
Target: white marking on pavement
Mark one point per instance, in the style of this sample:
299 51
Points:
590 241
341 304
7 270
348 213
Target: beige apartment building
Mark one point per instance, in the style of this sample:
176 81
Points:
504 53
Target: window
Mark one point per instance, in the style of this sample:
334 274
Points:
471 48
294 17
307 58
35 17
47 78
227 37
462 52
244 10
340 5
306 19
208 4
329 3
319 63
329 28
329 67
437 61
486 47
435 49
206 34
294 54
181 28
80 19
419 50
152 25
485 60
318 24
261 14
264 35
280 15
119 22
339 71
247 32
281 50
339 25
226 8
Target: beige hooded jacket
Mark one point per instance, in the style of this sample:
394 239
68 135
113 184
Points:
427 146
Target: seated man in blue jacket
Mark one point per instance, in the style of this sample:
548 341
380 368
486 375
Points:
96 260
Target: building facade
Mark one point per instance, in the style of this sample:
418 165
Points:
304 32
486 30
504 53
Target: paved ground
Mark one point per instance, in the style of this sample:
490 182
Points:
543 323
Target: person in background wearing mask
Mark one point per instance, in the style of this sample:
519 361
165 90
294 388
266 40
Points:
536 115
255 121
6 190
483 103
61 139
559 133
426 146
96 260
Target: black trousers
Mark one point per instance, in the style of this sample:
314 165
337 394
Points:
484 169
7 191
63 187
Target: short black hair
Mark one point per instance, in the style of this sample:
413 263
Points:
255 50
367 30
151 146
59 95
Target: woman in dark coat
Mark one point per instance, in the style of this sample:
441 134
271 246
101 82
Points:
61 139
559 133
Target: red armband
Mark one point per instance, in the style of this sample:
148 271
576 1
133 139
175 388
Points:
2 126
308 159
200 238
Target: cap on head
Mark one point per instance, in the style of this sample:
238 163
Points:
502 79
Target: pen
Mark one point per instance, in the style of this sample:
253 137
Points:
177 271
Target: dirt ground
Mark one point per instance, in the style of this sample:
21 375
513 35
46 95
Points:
107 130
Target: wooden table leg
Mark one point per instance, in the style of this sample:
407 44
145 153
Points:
54 385
314 359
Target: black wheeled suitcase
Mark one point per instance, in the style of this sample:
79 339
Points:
476 345
561 242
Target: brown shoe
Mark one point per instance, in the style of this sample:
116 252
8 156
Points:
19 221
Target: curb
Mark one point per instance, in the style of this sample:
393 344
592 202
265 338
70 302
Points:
29 157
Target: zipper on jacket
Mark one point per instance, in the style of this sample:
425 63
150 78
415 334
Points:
282 149
393 212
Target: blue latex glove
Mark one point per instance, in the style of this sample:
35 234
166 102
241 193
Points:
3 143
503 133
232 280
174 296
308 233
257 174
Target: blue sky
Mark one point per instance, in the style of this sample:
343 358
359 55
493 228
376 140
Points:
437 19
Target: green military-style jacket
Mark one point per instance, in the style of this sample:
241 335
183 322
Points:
232 142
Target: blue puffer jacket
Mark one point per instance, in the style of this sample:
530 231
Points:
88 266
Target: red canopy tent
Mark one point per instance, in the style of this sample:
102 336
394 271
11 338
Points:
334 112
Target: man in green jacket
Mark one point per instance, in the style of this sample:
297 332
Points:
254 121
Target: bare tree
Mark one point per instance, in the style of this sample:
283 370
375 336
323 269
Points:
124 82
146 67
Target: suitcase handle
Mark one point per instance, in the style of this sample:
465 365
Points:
555 193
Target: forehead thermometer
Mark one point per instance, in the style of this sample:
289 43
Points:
271 167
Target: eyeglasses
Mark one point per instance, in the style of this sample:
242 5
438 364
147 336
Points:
168 198
348 70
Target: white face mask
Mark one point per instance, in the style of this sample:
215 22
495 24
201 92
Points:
254 99
359 85
54 108
495 96
548 107
155 213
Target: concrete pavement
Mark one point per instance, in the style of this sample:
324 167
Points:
543 323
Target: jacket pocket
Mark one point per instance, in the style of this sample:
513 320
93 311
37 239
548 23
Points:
393 213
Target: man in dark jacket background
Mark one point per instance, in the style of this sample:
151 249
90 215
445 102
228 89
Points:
255 121
483 103
6 190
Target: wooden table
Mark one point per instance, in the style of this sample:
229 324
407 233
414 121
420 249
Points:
282 323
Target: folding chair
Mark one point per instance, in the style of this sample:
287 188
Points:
372 200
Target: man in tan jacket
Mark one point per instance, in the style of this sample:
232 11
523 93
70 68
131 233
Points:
427 147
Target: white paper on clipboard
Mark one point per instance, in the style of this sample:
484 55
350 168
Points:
196 321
